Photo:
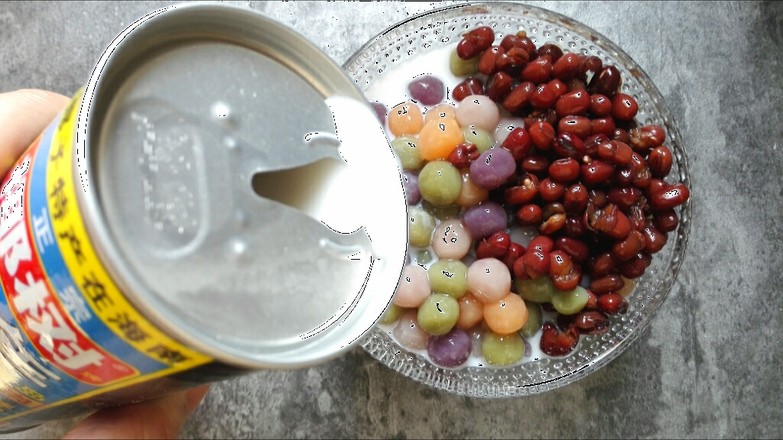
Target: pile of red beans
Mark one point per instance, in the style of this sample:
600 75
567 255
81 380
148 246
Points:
588 176
574 166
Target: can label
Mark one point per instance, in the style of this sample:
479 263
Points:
66 330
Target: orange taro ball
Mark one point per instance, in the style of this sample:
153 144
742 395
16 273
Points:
405 119
438 138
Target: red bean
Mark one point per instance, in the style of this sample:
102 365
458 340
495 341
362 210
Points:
560 263
669 197
592 301
654 239
641 173
567 66
607 283
482 37
602 125
575 198
568 145
541 243
596 172
610 221
518 98
575 226
624 197
486 64
623 177
647 137
463 155
494 246
572 103
635 267
598 198
527 44
666 221
577 249
602 265
593 141
592 322
467 49
660 161
512 40
616 152
600 105
534 164
512 61
537 71
551 190
568 281
525 192
590 64
542 134
499 86
612 304
606 82
564 170
543 114
621 134
543 96
518 142
636 216
557 343
624 250
579 126
624 107
549 51
655 185
529 215
535 263
553 219
515 250
469 86
558 87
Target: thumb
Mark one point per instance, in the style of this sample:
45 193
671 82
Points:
24 114
159 418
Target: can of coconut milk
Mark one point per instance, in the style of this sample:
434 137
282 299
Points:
218 199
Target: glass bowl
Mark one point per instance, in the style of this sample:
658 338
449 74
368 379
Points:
427 33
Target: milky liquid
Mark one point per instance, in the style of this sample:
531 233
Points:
391 89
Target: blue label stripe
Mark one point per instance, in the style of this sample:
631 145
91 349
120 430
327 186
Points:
70 296
60 277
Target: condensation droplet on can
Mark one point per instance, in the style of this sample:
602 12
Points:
230 142
221 111
237 247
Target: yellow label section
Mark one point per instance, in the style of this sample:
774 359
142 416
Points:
103 296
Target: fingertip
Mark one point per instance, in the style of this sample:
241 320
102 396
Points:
194 397
24 114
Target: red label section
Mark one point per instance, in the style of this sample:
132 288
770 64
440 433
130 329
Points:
39 314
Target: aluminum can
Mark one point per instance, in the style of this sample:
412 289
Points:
218 199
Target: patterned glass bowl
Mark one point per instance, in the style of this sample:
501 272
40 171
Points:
417 36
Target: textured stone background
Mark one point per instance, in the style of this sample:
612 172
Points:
709 365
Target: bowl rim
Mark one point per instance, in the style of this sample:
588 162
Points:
374 338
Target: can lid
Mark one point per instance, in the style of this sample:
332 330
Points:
247 199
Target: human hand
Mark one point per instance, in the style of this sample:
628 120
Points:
154 419
24 114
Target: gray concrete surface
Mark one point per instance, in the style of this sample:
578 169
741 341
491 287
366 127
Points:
710 365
